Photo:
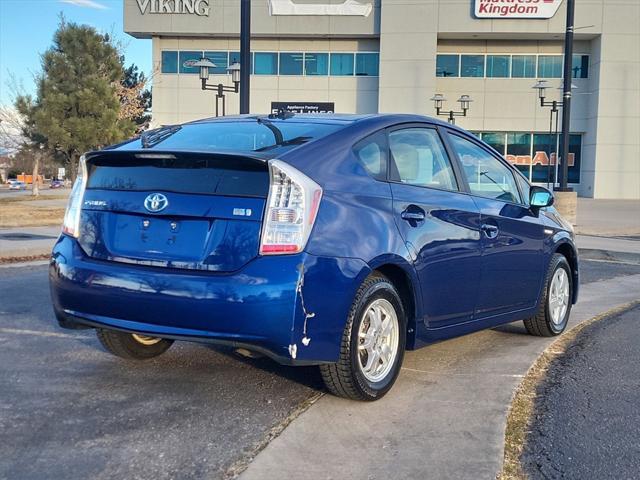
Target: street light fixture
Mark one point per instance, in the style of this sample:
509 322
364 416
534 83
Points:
204 64
555 106
438 100
542 86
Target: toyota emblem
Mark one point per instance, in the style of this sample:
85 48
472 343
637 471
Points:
156 202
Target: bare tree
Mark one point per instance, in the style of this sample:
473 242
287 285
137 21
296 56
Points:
13 139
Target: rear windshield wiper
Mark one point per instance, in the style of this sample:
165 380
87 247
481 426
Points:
277 134
284 143
154 137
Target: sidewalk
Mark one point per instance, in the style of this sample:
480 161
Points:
27 241
608 218
445 417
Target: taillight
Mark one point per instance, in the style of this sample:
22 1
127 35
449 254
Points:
292 206
71 224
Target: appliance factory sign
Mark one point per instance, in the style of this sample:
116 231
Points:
192 7
303 107
516 8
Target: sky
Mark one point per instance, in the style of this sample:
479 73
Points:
27 27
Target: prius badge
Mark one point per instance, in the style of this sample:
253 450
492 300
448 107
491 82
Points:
156 202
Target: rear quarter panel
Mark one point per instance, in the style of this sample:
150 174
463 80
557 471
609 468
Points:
355 219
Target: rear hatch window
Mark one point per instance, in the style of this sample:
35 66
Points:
175 210
197 174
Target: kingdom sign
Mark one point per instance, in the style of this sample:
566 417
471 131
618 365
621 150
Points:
516 8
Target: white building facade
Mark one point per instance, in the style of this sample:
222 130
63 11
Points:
367 56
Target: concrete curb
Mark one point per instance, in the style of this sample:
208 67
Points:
19 255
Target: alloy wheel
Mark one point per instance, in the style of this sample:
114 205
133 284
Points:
559 296
378 338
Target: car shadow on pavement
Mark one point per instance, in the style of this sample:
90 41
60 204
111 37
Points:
308 376
512 328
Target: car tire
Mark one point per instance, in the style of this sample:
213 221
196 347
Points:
555 305
375 330
132 346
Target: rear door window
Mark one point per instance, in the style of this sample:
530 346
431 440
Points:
486 175
419 158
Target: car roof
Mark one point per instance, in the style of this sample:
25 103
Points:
297 117
371 120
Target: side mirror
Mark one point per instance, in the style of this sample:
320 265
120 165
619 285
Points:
540 197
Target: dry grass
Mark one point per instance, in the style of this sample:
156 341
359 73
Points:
522 407
21 214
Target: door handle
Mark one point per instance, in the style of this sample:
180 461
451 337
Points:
413 213
491 231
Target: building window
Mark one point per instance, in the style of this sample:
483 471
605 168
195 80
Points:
291 63
447 65
221 61
498 66
234 57
523 66
505 66
472 66
367 64
265 63
533 154
342 64
496 140
316 64
276 63
519 151
185 56
550 66
580 66
169 62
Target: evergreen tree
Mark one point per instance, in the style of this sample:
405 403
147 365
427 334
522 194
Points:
77 108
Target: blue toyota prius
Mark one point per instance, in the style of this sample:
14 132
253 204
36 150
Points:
334 240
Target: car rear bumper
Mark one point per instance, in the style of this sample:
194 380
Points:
263 306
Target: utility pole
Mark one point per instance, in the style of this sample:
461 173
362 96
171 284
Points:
245 54
566 96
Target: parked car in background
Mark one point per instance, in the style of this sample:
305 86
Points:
332 240
56 184
17 185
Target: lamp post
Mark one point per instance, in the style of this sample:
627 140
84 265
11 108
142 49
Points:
555 106
542 86
438 100
245 53
566 95
204 64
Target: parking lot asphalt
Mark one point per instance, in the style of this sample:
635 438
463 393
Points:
588 407
70 410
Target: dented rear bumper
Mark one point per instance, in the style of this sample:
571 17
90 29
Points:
290 307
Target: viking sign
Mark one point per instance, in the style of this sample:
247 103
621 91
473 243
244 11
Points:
516 8
191 7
